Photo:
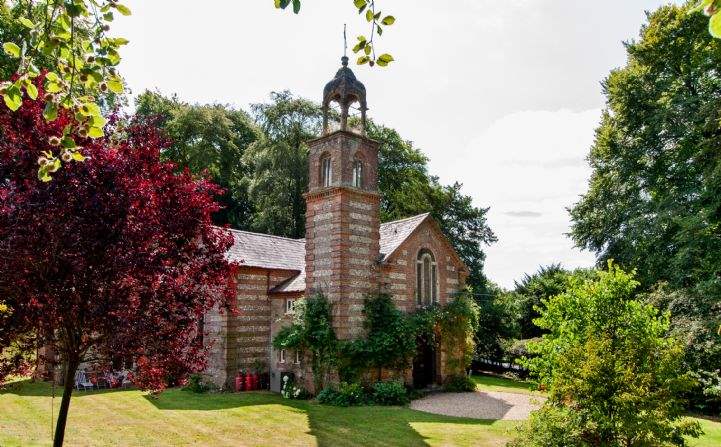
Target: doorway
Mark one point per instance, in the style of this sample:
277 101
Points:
424 364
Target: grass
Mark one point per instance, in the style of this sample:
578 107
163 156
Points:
496 383
180 418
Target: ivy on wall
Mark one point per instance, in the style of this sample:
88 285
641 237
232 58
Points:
390 337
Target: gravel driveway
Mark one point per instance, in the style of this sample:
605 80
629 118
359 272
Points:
480 405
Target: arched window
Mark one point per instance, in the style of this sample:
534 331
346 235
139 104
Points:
326 171
426 278
357 174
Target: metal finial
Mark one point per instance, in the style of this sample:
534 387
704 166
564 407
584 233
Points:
345 42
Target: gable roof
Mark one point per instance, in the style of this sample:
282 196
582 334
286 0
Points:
266 251
393 234
275 252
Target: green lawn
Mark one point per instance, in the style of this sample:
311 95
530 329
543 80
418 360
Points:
131 418
494 383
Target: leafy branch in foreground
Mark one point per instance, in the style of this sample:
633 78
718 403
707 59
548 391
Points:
78 61
712 9
365 46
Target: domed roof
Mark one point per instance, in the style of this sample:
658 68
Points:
345 88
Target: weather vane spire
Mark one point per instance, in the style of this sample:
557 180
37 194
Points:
345 42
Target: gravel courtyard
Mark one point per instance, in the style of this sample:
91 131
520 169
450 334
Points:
480 405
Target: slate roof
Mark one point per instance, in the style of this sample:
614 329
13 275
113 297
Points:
393 234
294 284
266 251
275 252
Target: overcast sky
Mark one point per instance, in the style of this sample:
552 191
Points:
503 96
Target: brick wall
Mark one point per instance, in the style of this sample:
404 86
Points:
399 272
241 340
279 319
399 275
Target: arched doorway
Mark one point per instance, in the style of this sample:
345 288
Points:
424 364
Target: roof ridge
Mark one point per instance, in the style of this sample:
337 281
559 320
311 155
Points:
289 239
406 218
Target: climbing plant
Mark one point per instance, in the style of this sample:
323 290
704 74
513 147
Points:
389 340
312 333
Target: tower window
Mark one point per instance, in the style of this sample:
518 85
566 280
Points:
426 278
326 171
358 174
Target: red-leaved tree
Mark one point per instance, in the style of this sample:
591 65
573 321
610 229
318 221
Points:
116 255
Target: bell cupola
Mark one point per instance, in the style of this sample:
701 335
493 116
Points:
345 90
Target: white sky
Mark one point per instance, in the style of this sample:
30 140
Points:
503 96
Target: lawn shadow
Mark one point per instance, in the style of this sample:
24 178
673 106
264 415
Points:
29 387
330 425
376 426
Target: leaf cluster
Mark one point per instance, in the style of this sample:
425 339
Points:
365 46
64 45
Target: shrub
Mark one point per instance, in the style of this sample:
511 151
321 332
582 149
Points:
459 384
196 384
551 426
347 395
292 391
327 396
312 333
390 393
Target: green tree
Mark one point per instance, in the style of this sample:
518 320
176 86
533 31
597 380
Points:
654 198
499 318
694 322
532 290
208 139
279 163
613 376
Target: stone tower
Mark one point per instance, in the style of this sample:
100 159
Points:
342 217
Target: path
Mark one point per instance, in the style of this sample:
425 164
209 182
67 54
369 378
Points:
480 405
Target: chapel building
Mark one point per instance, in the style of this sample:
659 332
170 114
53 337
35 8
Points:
347 254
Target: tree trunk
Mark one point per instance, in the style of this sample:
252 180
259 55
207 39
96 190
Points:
72 367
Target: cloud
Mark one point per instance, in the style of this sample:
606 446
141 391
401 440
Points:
523 214
529 166
554 163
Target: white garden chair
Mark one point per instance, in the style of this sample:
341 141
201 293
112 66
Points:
125 380
82 382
